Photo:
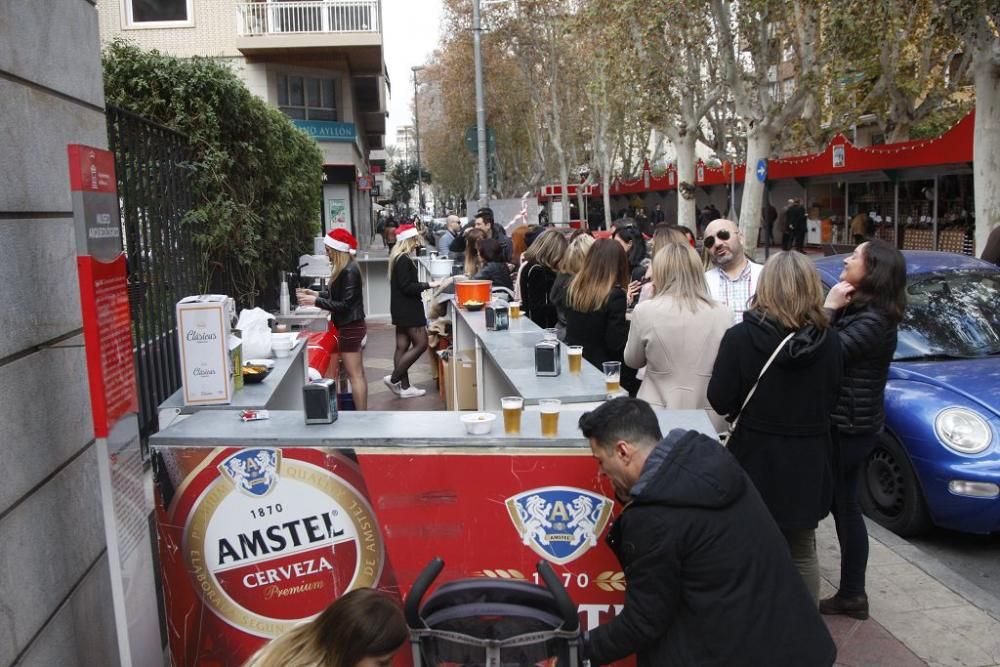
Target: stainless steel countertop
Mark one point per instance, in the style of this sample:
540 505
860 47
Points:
212 428
513 352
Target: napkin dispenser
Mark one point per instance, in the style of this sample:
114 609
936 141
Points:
497 316
547 355
320 400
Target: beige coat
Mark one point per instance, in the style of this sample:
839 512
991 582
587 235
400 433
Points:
678 349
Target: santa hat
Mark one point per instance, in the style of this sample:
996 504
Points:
406 232
342 240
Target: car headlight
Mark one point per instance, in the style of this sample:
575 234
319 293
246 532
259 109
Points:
962 430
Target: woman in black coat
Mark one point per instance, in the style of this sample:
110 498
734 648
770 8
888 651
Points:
782 438
343 299
543 258
866 306
596 302
407 309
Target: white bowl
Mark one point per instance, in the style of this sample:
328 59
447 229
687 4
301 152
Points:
479 423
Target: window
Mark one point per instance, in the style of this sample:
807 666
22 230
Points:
158 13
307 98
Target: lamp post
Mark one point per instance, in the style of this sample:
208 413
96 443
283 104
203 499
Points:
477 29
416 137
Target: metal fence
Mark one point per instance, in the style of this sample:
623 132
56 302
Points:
154 194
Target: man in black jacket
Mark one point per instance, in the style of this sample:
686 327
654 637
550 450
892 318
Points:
710 579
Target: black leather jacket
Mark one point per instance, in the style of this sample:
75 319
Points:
868 341
343 298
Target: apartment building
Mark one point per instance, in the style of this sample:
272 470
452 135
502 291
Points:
321 62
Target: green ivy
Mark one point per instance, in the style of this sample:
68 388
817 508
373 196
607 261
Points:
256 178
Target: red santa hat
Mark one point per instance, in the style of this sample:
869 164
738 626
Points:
406 232
342 240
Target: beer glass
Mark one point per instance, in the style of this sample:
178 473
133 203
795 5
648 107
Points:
515 309
512 407
575 355
548 408
612 376
550 334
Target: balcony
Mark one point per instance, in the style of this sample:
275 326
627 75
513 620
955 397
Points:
314 30
319 16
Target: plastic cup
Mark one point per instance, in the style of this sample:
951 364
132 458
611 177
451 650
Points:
550 334
515 309
512 407
575 355
612 376
548 409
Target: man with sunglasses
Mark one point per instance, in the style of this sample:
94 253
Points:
733 277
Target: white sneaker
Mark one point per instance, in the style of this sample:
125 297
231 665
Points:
411 392
394 387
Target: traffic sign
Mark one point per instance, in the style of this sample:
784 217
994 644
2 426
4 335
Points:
762 170
472 140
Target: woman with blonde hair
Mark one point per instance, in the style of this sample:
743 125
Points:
344 300
597 299
543 258
676 333
778 371
407 309
363 628
663 236
571 264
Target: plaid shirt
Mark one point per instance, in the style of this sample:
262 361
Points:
735 292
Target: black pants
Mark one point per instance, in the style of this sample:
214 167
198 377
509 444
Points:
850 452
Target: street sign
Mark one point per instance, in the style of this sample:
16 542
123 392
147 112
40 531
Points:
472 140
762 170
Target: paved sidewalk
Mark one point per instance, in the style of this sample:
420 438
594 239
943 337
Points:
921 611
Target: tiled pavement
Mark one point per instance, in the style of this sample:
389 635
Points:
921 612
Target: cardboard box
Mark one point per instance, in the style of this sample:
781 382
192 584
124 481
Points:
466 393
203 330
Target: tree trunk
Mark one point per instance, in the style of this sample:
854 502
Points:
758 146
686 208
986 141
606 196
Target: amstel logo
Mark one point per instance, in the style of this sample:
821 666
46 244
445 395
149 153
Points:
560 523
272 540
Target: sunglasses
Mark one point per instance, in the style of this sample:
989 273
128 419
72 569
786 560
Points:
723 235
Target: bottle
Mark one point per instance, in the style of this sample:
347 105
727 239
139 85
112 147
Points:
284 300
237 357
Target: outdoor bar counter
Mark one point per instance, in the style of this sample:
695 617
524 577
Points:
262 524
280 390
505 364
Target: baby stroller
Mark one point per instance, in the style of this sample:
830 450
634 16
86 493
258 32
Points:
481 622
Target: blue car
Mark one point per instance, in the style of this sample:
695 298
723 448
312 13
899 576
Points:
938 460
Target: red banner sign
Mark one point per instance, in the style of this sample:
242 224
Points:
107 334
254 540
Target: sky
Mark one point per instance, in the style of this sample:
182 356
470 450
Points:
410 32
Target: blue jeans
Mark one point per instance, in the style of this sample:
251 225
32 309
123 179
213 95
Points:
850 452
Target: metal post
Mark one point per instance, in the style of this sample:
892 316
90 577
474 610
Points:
416 134
847 212
934 228
484 193
895 216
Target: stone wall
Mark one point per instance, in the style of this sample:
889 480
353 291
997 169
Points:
55 594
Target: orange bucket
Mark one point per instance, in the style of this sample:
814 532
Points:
473 290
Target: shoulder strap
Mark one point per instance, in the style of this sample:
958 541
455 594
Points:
732 429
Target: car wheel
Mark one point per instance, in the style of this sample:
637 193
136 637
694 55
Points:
890 493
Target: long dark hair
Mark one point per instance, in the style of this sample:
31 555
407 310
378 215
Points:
491 250
636 251
884 285
604 268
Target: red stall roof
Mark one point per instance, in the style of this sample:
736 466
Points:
839 157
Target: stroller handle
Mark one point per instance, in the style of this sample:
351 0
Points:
571 619
420 586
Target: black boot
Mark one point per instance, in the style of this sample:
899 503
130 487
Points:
855 607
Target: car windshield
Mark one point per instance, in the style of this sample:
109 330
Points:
951 314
